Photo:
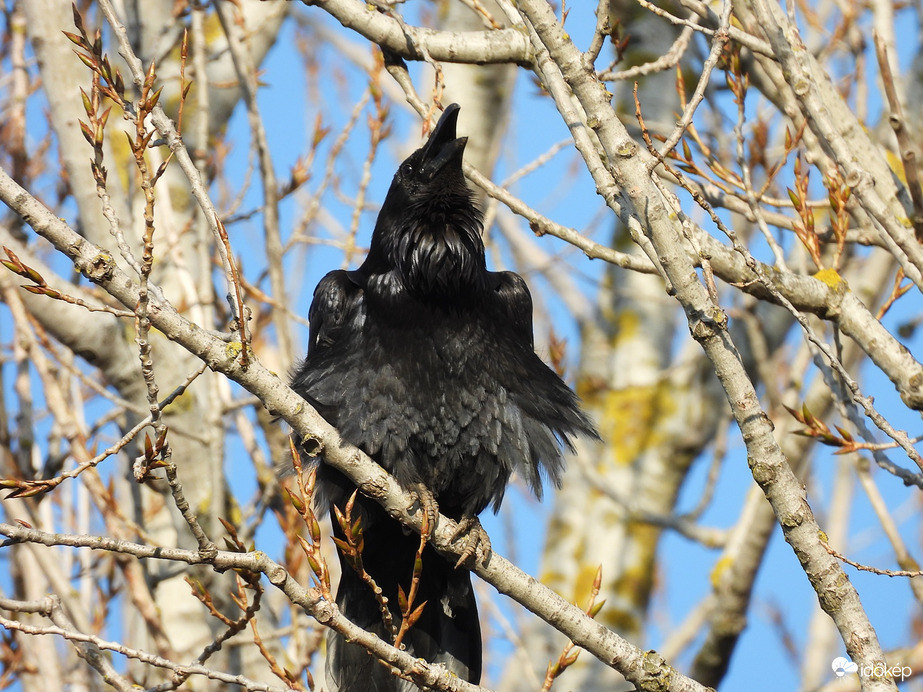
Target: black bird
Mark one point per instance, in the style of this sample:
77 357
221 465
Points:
424 359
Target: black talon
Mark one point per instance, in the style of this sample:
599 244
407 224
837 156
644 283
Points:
475 537
427 502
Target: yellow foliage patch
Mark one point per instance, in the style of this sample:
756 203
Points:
233 349
717 573
832 278
630 415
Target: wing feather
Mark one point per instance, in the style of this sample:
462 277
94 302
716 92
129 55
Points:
333 309
516 301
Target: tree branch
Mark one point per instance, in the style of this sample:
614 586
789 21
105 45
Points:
640 667
474 47
641 201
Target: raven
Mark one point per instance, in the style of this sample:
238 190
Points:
424 359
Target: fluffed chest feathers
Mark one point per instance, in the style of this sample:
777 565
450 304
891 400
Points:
424 401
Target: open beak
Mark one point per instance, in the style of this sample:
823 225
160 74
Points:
443 146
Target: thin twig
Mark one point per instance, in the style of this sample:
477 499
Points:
757 45
88 647
139 655
905 140
46 484
422 673
866 568
668 60
167 131
717 47
236 300
232 24
541 225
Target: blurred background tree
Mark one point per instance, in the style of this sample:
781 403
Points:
712 203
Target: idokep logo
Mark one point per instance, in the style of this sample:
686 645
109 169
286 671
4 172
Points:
841 666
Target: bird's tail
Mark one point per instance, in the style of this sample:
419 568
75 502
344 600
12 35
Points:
447 631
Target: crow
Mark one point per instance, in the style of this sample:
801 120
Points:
425 360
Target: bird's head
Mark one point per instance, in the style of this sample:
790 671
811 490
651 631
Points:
429 229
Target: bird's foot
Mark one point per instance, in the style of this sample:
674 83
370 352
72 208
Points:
475 537
427 501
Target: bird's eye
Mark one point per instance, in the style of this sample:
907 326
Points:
406 168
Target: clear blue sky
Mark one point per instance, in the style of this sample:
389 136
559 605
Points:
761 662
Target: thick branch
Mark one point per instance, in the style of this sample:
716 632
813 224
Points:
640 667
640 200
833 300
844 139
473 47
258 562
96 337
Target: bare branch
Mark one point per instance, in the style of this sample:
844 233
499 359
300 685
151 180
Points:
708 325
474 47
99 267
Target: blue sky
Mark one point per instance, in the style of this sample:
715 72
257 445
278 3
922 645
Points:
761 662
685 566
